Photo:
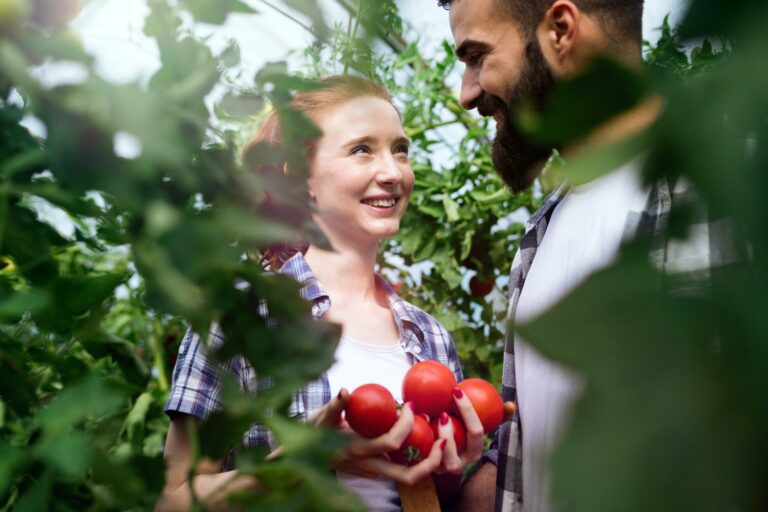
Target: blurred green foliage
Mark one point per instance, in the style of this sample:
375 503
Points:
91 316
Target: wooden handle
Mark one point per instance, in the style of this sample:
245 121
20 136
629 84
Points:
419 497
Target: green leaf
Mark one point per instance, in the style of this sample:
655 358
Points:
11 458
496 196
91 397
37 496
466 244
216 12
69 453
13 307
568 117
433 210
134 422
451 208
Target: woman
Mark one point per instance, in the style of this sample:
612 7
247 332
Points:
360 181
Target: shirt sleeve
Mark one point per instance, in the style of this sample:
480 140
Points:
492 455
197 377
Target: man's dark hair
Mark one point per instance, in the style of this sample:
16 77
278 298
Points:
622 20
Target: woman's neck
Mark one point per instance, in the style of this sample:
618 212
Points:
344 273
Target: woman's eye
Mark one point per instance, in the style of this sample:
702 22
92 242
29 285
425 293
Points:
401 149
359 150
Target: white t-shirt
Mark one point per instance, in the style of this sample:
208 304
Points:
583 236
359 363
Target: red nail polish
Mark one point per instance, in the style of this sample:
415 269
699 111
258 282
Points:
443 443
410 405
443 418
458 393
339 395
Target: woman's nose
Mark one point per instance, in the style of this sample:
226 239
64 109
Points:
389 170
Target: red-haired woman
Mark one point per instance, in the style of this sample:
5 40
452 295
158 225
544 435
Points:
360 182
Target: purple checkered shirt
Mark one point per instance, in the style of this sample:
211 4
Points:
197 378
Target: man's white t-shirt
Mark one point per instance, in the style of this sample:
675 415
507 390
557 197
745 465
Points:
359 363
584 234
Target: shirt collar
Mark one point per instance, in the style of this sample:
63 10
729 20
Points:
549 203
298 269
401 311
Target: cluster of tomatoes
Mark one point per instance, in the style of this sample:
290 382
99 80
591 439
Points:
430 387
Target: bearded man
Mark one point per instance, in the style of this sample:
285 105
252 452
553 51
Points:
515 53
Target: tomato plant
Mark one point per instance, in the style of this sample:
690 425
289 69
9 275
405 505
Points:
371 411
459 432
486 401
417 445
428 385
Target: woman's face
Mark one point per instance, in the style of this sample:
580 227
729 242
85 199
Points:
360 178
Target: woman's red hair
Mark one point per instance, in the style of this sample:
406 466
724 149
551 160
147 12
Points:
332 92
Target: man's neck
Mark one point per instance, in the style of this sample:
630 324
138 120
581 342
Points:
620 127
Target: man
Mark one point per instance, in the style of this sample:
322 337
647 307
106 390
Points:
515 51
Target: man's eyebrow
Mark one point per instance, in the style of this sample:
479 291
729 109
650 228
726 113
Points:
467 45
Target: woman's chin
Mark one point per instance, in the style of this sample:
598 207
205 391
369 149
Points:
388 231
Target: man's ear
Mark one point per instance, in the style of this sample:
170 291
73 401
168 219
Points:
561 31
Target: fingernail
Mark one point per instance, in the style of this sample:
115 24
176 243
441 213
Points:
410 405
458 393
443 443
339 395
425 416
443 418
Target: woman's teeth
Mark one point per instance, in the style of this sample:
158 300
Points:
380 203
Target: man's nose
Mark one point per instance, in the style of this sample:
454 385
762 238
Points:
471 91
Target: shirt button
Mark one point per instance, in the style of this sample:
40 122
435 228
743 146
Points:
417 349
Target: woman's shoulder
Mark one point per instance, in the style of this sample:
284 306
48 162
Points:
425 321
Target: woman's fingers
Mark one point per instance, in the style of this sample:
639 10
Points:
407 475
452 462
330 415
475 433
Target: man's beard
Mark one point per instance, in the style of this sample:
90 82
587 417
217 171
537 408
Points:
515 155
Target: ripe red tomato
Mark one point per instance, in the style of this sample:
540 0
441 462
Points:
478 288
486 401
459 432
371 410
417 445
428 385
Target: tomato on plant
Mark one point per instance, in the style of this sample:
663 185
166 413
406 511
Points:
459 432
371 410
486 401
428 385
479 288
417 445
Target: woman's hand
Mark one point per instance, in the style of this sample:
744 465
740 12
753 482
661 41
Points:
367 457
453 463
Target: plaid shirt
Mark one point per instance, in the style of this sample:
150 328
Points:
197 379
691 260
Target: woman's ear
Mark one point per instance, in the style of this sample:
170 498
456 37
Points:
310 192
561 30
